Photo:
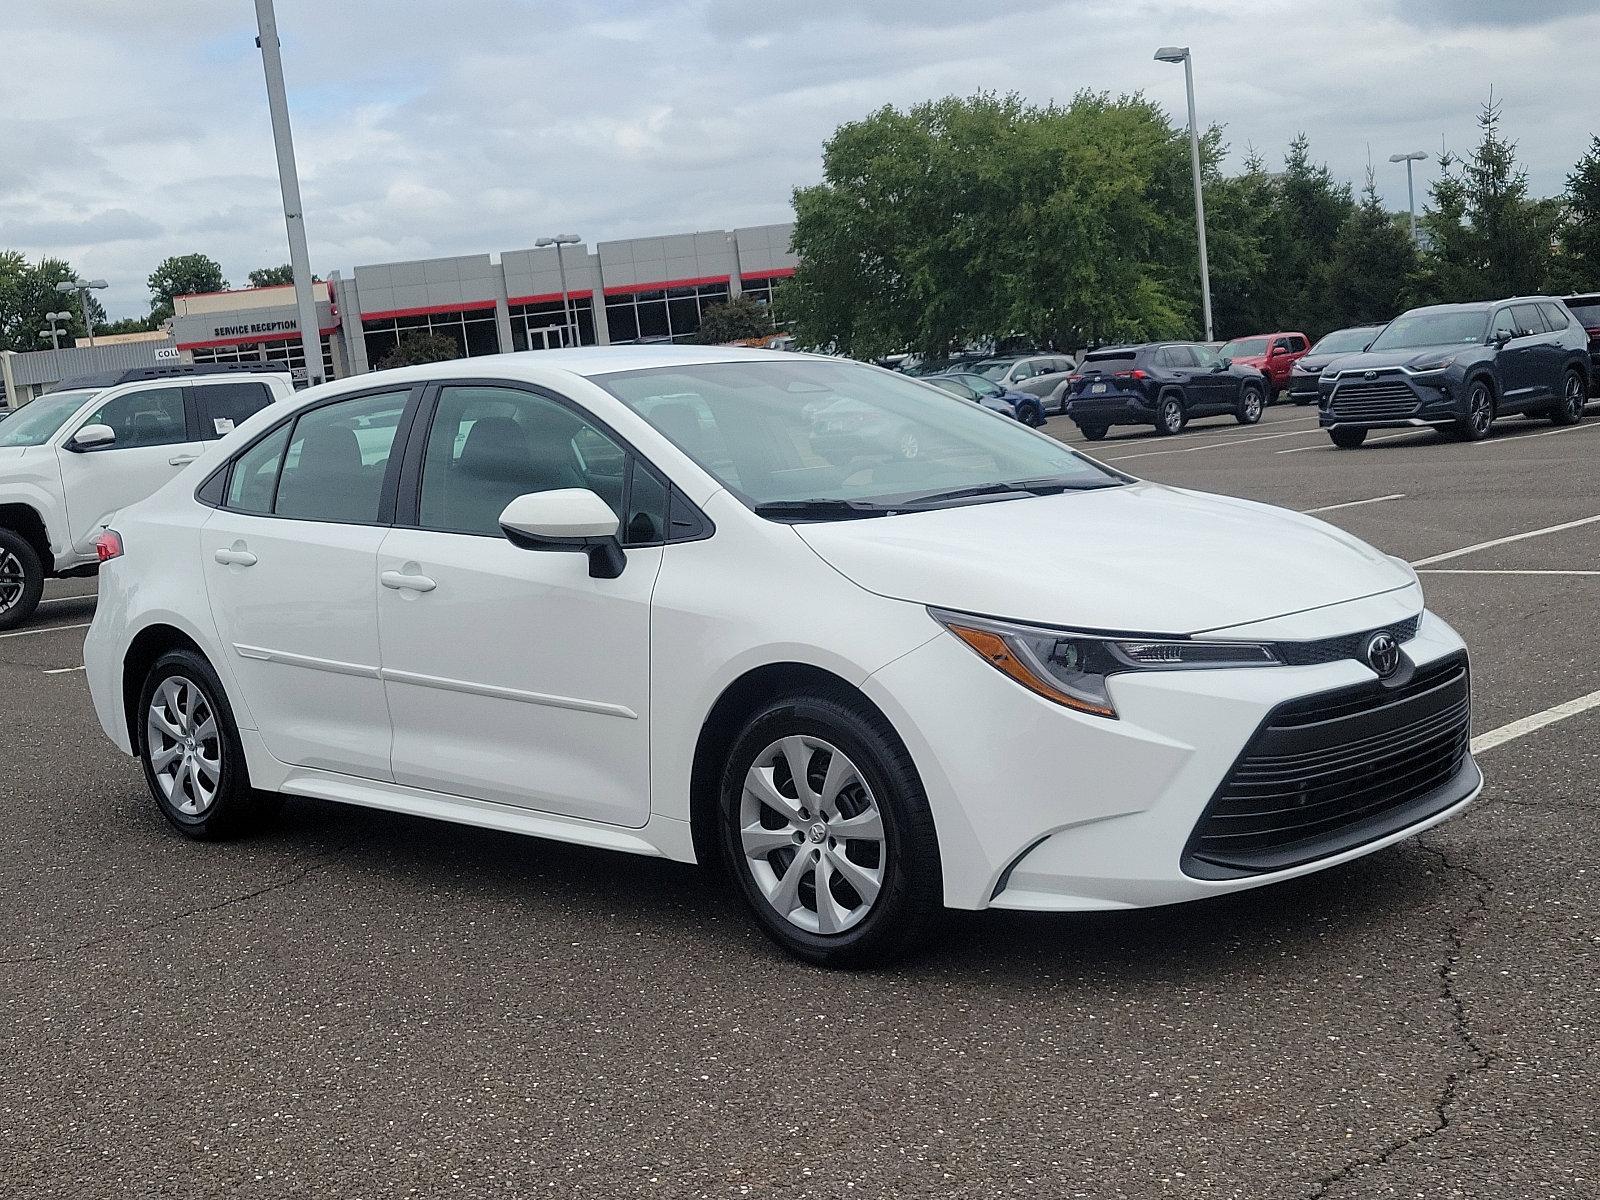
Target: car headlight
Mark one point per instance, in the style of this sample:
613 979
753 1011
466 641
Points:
1072 668
1432 365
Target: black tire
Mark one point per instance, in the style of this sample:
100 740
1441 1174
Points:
1568 410
21 579
1094 433
1031 415
1474 424
1347 438
1251 405
235 808
1170 414
909 901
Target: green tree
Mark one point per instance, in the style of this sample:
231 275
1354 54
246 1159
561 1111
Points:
1580 239
182 275
28 292
1486 236
983 217
740 319
419 347
1370 263
271 276
128 325
1238 210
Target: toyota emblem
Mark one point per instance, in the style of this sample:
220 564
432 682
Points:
1383 654
1369 374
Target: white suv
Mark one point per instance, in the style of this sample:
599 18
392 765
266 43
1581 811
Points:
877 648
75 456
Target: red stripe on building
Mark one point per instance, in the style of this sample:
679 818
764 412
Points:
251 339
549 297
775 273
429 309
628 288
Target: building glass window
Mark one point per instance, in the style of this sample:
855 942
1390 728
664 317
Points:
657 315
542 326
287 355
471 330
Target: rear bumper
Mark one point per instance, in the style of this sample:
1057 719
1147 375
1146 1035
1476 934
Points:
1113 409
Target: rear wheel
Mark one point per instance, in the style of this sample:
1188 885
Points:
1250 405
825 826
189 744
21 579
1095 433
1569 409
1473 425
1346 438
1170 417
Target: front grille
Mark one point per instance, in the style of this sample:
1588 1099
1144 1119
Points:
1332 771
1374 400
1351 645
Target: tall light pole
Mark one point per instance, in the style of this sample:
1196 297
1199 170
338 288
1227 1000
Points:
1177 54
289 183
1411 192
54 332
560 240
83 287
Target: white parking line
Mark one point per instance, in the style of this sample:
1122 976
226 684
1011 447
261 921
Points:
1517 437
1449 571
1516 729
1354 503
65 670
47 629
1515 537
1238 441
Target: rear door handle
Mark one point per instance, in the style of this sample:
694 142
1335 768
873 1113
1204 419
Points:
235 558
181 460
397 581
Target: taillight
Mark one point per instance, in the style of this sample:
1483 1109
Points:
1074 378
108 545
1135 374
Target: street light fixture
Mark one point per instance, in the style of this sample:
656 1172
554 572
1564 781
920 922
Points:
83 287
1411 194
1180 54
54 332
570 336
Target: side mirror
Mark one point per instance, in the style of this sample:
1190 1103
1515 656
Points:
1223 364
92 437
1501 337
567 519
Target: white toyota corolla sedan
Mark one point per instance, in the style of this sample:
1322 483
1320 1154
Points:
875 648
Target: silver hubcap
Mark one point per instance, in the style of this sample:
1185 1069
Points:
812 835
1574 395
1172 414
185 746
1480 413
12 580
1252 405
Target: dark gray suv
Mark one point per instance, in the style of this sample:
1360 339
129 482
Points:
1458 367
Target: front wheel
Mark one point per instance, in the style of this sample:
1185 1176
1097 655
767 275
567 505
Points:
825 826
1170 417
1030 415
1473 425
21 579
1249 406
1346 438
1569 409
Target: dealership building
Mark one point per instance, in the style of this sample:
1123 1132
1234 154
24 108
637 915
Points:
641 290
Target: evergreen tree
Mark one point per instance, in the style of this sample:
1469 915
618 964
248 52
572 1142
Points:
1371 263
1580 239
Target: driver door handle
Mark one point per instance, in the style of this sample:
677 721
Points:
235 558
396 581
181 460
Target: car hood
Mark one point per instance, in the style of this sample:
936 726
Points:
1410 357
1144 558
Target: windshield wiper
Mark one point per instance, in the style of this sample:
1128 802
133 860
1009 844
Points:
1015 487
822 509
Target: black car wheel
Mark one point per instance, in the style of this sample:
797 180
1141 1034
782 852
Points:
1094 433
1569 409
1473 425
21 579
1170 417
1346 438
1030 415
1250 405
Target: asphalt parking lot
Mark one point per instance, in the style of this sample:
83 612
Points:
360 1004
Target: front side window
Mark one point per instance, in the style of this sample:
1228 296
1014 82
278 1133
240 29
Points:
37 422
337 457
152 417
816 432
489 445
225 405
1505 324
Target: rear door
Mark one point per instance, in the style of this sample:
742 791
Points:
154 440
1518 359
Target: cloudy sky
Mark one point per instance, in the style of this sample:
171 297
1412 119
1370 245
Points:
130 131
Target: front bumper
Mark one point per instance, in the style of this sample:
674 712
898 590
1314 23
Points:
1391 399
1038 807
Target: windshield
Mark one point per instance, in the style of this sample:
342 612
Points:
840 433
1416 330
1343 341
1252 347
36 423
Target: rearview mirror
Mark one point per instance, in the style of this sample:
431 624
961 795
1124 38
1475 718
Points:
567 519
91 437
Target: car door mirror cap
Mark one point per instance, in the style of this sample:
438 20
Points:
1223 364
1501 337
93 437
567 519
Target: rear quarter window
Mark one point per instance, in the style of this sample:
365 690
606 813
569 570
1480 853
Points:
225 405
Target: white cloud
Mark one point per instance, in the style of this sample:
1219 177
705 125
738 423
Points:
427 129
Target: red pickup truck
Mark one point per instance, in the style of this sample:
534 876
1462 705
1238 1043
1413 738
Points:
1273 354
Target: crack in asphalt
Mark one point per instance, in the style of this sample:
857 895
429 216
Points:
319 863
1479 1058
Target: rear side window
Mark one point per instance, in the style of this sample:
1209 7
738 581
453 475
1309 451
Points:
334 467
151 417
1555 317
253 481
224 405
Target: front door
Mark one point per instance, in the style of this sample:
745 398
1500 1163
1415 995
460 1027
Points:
512 675
154 441
291 570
